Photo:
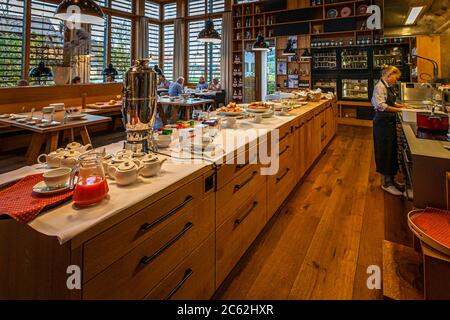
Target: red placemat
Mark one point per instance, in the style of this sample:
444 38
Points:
435 223
22 204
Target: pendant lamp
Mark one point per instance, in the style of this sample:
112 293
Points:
80 11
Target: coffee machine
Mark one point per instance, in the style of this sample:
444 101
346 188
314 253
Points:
140 106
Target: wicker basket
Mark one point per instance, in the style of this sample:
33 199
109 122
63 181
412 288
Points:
314 97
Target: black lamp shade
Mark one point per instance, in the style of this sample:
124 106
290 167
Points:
110 71
306 54
209 34
41 71
289 51
80 11
260 45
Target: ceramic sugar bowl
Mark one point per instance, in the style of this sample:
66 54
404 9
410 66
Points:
150 165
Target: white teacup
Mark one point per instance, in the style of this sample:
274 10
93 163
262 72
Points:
57 177
258 118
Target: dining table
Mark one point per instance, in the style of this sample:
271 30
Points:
176 104
49 135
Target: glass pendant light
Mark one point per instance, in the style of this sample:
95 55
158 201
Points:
209 34
260 44
306 55
290 50
80 11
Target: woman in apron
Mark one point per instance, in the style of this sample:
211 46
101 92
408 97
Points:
385 128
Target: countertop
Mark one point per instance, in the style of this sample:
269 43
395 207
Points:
424 147
66 222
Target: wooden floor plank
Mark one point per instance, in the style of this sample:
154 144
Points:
329 268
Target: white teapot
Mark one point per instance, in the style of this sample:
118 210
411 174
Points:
126 173
53 159
114 161
150 165
75 146
70 158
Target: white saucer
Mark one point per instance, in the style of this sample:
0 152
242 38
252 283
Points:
42 189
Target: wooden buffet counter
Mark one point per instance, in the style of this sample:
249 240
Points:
180 242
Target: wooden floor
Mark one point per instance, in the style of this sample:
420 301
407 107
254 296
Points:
328 232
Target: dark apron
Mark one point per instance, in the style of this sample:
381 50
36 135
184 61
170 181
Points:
385 137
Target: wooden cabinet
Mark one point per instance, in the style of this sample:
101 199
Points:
112 244
133 275
192 279
236 234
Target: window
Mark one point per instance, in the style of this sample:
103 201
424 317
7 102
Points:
153 43
170 11
203 59
122 5
120 45
197 54
47 38
152 10
98 50
11 30
168 48
199 7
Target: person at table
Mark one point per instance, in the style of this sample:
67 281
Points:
110 78
76 80
215 85
202 85
176 88
384 101
163 82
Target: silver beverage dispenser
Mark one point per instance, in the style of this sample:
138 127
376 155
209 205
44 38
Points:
140 106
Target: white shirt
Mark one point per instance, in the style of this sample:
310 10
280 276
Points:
379 97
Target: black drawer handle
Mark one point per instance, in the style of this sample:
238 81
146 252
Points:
323 124
240 186
284 137
284 175
241 219
147 259
284 151
146 226
323 139
186 276
241 166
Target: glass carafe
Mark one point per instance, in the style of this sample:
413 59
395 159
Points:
91 186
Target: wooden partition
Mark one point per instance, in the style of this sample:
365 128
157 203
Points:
16 98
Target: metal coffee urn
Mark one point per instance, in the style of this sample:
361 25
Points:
139 106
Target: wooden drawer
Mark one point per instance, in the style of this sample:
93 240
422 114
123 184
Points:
280 185
135 274
193 279
237 233
112 244
228 172
231 196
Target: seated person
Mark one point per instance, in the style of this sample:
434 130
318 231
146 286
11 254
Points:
163 82
22 83
202 85
215 85
76 80
110 78
176 88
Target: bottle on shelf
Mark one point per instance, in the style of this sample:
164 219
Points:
238 24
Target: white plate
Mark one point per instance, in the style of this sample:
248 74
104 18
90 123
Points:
232 114
4 116
258 110
42 189
76 116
